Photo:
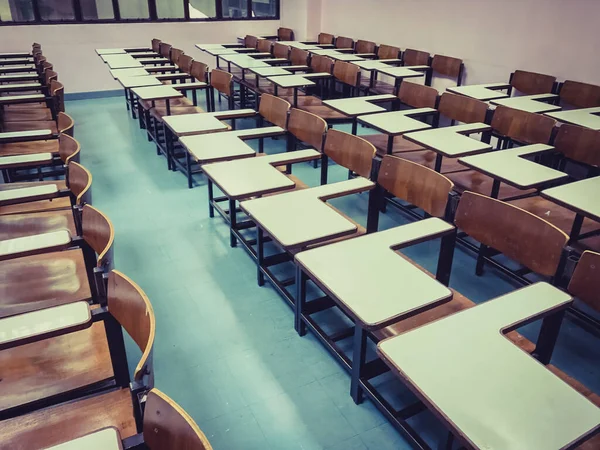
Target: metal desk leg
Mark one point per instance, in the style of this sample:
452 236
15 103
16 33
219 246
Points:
295 97
576 228
390 144
168 107
495 189
211 196
359 352
260 256
438 163
232 223
301 280
354 126
547 337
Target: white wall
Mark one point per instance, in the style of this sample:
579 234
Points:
493 37
71 48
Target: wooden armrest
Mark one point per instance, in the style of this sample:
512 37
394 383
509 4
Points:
149 61
15 61
317 75
169 68
309 42
146 55
23 136
255 133
19 77
173 76
194 86
15 55
367 55
260 55
42 324
296 68
18 99
234 114
325 45
33 245
393 62
23 195
275 60
20 87
17 69
345 50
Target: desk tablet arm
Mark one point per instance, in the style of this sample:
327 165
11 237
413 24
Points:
174 76
297 68
367 55
163 69
24 136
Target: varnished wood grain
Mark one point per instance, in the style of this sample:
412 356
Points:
518 234
65 124
580 95
417 95
320 63
344 42
221 81
531 83
347 73
578 143
446 65
264 46
413 57
14 226
461 108
168 427
274 109
98 232
365 46
54 425
176 53
299 57
185 63
325 38
281 51
388 52
69 149
307 127
250 41
349 151
80 182
522 126
285 34
585 283
416 184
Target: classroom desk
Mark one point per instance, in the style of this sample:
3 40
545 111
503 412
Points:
44 323
15 61
529 103
357 106
225 146
395 123
34 244
485 389
246 178
14 55
294 220
29 194
299 45
18 68
400 73
127 73
368 293
15 87
483 92
153 93
511 167
138 81
295 82
42 281
451 142
105 439
20 99
337 55
121 61
23 136
586 117
121 51
580 197
19 77
372 65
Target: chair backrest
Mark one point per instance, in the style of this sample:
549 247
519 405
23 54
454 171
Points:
307 127
420 186
531 83
57 90
185 63
156 45
448 66
66 124
264 46
165 50
80 183
388 52
461 108
46 66
585 282
68 149
325 38
344 42
350 151
130 306
413 57
221 81
250 41
580 95
347 73
176 53
281 50
518 234
320 63
579 144
417 95
365 46
299 57
522 126
98 232
199 71
285 34
168 427
274 109
49 76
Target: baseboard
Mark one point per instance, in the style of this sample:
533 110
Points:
93 95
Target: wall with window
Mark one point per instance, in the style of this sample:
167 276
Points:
493 37
71 48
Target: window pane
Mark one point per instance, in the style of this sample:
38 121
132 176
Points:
56 10
134 9
201 9
170 9
235 8
264 8
97 9
16 11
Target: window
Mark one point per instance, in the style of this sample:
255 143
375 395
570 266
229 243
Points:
106 11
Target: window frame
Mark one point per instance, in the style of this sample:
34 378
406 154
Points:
152 12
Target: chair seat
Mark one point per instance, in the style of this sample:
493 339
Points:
57 424
471 180
30 125
27 148
18 115
159 112
54 366
26 106
427 158
180 101
14 226
401 145
380 87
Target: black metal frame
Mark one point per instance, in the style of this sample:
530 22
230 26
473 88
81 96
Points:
152 13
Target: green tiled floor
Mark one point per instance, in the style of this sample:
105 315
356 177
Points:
225 348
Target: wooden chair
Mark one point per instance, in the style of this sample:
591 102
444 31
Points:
285 34
281 51
511 126
531 83
365 49
412 57
264 46
305 127
411 95
578 147
344 43
388 52
222 82
325 38
409 58
347 150
64 124
38 111
250 41
579 95
299 57
60 368
156 45
447 66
